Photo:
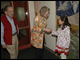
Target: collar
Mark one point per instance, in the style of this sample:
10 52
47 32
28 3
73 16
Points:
9 17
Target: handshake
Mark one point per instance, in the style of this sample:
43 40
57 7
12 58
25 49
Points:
48 30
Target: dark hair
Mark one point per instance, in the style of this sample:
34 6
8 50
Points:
66 23
5 8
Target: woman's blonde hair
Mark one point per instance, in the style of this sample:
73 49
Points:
43 10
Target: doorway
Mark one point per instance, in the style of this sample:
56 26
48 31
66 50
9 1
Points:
22 15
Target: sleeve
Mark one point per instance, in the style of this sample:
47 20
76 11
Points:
67 38
16 23
36 26
2 34
56 32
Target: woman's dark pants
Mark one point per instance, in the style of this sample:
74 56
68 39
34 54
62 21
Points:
40 52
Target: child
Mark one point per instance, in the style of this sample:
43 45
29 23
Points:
63 34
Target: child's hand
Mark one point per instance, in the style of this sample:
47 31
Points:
63 50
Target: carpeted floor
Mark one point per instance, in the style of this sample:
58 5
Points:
28 53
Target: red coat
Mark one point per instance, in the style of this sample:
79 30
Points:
8 29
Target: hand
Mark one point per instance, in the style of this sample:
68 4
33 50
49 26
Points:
63 50
48 30
4 46
20 28
32 30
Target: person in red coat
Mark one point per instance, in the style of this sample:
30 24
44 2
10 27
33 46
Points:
9 32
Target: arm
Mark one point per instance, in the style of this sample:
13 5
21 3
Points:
16 23
18 29
67 41
36 25
56 32
67 38
2 34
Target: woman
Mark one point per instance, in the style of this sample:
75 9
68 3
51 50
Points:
39 30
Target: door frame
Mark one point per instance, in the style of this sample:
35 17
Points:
27 45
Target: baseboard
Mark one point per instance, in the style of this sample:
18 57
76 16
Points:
49 50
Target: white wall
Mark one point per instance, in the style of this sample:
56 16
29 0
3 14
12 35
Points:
4 3
31 12
51 23
51 41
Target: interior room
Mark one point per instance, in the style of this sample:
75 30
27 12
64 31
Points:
26 11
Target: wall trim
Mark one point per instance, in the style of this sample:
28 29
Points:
49 50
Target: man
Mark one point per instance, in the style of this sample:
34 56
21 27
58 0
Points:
9 32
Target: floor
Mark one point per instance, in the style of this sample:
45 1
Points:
28 53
